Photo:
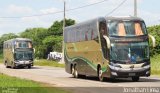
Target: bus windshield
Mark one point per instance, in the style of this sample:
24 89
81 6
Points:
127 28
24 55
23 44
129 52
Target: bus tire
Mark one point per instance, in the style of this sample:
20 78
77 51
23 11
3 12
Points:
72 70
135 79
13 66
100 74
75 72
6 64
29 66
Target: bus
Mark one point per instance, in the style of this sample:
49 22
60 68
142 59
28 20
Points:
112 47
18 52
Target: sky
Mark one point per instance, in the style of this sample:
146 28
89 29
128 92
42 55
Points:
14 13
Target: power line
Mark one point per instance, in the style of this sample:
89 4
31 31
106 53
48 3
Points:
15 17
116 7
87 5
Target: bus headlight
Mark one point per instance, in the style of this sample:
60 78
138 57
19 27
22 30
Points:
148 72
114 73
115 66
147 66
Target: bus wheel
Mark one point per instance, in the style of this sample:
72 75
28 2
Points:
100 74
72 69
29 66
13 66
6 64
75 72
135 79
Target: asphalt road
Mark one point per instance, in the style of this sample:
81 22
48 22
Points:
59 78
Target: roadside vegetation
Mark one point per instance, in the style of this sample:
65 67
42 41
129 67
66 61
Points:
44 62
155 65
1 58
16 85
155 52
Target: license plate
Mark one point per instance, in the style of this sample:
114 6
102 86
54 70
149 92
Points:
26 62
132 74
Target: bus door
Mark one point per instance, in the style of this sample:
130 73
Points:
103 32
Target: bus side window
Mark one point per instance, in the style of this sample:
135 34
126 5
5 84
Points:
68 36
74 36
7 46
17 45
92 35
65 36
10 45
138 29
83 35
86 35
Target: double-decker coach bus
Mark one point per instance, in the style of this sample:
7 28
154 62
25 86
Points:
18 52
112 47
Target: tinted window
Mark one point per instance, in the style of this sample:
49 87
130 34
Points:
127 28
23 44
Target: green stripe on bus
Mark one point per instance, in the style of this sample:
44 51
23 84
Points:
85 60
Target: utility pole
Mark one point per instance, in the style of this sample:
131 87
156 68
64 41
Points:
64 23
64 15
135 8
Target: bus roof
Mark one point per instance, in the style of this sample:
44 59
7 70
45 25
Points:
106 19
124 18
95 20
18 39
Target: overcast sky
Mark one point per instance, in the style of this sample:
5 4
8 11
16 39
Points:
149 10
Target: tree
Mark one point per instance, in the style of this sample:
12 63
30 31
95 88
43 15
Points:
53 41
6 37
155 31
57 28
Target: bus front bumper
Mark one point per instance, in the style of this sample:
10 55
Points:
23 63
130 72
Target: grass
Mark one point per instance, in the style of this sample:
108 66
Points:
1 55
1 58
25 86
44 62
155 65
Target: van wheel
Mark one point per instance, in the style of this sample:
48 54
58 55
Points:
135 79
100 74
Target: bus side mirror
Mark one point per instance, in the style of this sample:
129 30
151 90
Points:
153 40
34 50
12 50
107 41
